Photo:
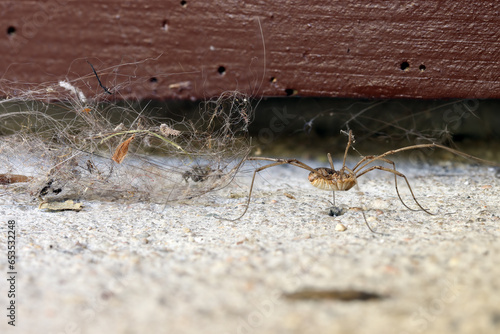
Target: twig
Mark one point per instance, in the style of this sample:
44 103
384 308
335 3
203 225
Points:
99 80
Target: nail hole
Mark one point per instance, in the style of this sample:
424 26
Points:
184 3
164 25
221 70
153 80
422 68
273 80
11 30
405 66
290 92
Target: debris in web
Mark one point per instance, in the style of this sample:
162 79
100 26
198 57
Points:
57 144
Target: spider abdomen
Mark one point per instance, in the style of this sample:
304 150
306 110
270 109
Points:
332 180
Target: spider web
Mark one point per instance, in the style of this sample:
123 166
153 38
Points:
67 145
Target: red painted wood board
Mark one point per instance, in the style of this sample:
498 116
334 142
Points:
197 49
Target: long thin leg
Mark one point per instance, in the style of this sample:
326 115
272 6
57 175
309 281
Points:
368 225
277 162
395 177
368 157
293 162
349 143
330 160
365 162
395 172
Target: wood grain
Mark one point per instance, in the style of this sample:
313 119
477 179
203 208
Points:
198 49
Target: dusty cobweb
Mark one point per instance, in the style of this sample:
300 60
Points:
57 143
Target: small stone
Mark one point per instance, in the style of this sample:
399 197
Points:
379 204
453 262
303 237
340 227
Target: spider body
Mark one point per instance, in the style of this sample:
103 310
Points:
329 179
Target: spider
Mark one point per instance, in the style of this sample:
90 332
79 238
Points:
330 179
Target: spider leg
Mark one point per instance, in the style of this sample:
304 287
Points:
373 158
368 225
368 157
349 143
396 173
277 162
330 160
367 160
293 162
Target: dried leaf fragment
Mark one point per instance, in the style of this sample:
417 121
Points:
342 295
168 131
119 127
13 178
180 86
122 150
61 206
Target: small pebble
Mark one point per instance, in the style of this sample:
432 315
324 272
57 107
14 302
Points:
379 204
453 262
303 237
340 227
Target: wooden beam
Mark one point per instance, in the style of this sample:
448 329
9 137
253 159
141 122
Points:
197 49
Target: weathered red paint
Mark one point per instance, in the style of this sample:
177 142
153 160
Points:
196 49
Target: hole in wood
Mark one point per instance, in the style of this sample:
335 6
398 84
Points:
11 30
153 80
290 92
421 68
221 70
405 66
272 80
184 3
164 25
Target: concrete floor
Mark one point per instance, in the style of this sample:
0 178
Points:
139 268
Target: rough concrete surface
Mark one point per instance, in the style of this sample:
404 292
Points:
143 268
